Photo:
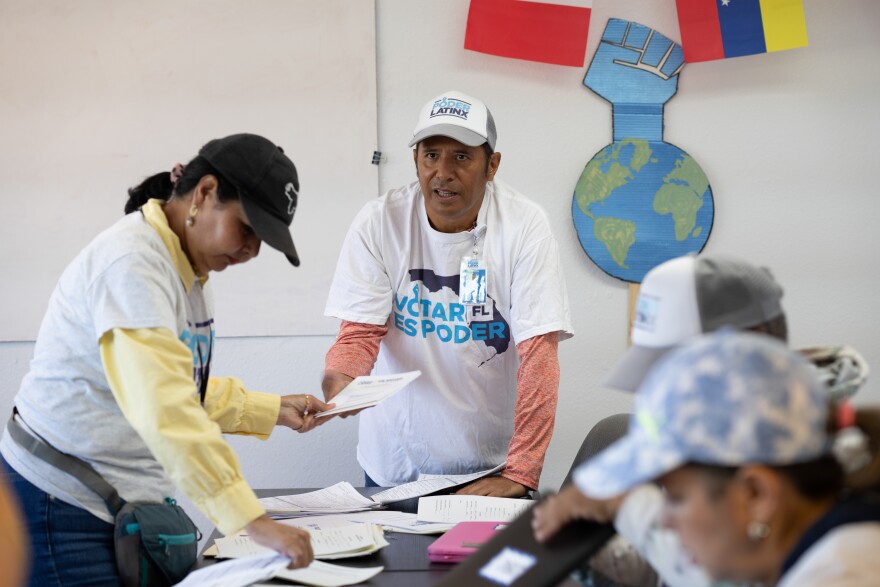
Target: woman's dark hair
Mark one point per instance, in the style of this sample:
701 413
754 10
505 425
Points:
159 186
815 480
776 327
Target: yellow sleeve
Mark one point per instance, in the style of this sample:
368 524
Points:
239 411
150 374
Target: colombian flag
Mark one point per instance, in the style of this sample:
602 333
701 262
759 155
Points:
716 29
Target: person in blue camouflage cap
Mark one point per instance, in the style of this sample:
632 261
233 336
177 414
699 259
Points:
678 300
734 427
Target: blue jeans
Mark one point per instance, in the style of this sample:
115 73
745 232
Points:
369 482
69 546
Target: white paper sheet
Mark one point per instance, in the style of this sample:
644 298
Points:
394 521
369 390
339 498
326 575
237 573
426 484
470 508
390 520
329 541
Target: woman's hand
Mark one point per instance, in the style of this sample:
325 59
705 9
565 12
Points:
568 505
293 543
298 412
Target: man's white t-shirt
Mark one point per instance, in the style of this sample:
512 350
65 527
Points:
395 268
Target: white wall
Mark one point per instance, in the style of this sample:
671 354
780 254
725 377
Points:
127 89
786 139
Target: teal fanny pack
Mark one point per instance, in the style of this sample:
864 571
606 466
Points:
156 543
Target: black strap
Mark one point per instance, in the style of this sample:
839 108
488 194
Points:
67 463
205 367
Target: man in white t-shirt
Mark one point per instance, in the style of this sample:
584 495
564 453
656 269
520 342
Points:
397 290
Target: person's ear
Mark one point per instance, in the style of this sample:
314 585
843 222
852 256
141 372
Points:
205 189
762 493
494 163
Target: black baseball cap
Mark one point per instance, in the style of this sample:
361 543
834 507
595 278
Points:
267 184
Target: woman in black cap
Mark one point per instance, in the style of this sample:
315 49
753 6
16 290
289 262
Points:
120 374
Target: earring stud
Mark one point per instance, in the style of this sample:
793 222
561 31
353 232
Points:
757 531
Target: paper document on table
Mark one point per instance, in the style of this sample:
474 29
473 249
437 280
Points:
407 523
336 499
426 484
237 573
368 390
470 508
320 574
329 541
390 520
246 571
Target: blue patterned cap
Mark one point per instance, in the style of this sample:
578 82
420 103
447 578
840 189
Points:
726 398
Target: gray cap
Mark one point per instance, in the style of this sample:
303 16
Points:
688 296
457 116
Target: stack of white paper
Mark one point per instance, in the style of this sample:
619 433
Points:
452 509
342 498
367 391
329 541
335 499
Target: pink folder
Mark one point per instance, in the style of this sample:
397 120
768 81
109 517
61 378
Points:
462 540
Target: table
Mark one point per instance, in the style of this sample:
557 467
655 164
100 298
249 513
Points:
405 558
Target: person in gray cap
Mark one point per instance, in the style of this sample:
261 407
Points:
692 295
399 293
738 432
678 300
120 374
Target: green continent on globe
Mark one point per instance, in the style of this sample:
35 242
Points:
617 235
682 196
595 185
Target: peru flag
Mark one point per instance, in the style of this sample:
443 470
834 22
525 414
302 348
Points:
534 31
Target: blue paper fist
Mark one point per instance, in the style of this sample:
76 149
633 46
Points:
634 64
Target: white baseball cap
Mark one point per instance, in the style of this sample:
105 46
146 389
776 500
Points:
457 116
688 296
